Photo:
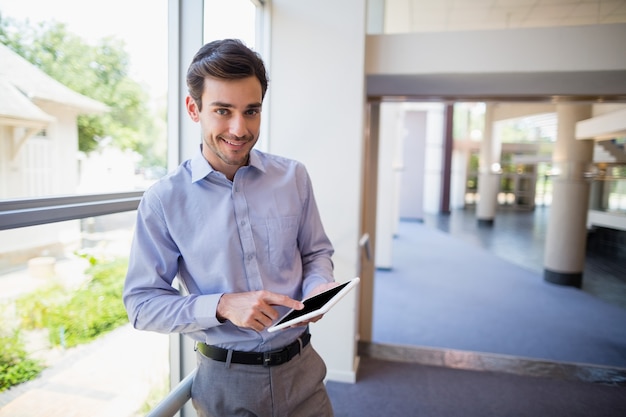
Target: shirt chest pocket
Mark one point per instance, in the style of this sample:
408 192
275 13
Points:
279 237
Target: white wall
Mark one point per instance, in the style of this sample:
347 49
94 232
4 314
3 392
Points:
577 48
316 104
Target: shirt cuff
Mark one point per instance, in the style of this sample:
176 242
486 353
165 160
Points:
205 310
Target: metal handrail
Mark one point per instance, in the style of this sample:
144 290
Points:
44 210
175 400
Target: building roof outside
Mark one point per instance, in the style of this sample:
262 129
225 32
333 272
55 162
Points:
18 76
17 109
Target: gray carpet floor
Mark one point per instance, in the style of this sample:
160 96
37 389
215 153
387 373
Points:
393 389
444 292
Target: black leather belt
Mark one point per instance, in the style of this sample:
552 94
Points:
271 358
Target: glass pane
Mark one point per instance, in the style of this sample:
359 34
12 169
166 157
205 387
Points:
230 19
82 108
469 121
608 190
237 19
62 312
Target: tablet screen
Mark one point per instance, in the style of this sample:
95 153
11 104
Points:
314 303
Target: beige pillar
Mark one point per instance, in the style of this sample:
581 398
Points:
566 237
488 171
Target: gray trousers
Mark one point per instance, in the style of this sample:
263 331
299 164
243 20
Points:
294 389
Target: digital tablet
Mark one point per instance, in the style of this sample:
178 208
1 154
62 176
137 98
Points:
315 306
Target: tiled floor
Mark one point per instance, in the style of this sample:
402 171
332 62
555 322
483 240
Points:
519 237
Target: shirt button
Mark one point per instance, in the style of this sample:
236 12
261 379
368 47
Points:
250 257
243 223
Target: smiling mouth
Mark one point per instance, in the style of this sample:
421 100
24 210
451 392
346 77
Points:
234 144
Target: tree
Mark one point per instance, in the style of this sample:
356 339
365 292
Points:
99 71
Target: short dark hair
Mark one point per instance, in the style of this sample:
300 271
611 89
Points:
228 59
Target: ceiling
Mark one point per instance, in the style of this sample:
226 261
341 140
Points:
411 16
403 16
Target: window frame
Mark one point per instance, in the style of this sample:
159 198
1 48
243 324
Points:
43 210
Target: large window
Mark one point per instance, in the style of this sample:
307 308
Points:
244 20
83 89
230 19
608 190
61 311
82 133
83 107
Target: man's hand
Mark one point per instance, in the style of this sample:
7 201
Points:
321 288
317 290
253 310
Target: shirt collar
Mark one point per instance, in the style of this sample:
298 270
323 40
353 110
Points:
256 161
200 167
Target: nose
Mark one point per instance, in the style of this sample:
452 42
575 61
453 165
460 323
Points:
238 126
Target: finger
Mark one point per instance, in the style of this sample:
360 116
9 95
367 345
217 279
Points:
257 321
262 312
259 327
266 319
282 300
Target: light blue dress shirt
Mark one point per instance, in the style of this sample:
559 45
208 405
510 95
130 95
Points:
262 231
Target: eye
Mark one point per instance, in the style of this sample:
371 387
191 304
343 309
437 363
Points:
253 111
221 112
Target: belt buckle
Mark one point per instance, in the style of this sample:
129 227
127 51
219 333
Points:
273 357
267 359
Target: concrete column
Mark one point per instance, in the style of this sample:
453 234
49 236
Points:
433 157
488 171
391 127
567 229
411 204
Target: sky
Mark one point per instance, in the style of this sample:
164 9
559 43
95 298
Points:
142 24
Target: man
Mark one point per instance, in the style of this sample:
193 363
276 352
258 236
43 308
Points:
241 231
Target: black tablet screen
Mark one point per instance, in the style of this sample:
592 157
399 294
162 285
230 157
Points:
314 303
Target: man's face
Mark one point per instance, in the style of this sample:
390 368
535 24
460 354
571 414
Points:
230 120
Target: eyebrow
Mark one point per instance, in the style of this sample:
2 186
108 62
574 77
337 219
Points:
227 105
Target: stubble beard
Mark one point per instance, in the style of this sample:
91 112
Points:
233 158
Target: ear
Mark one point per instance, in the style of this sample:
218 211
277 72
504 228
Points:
192 109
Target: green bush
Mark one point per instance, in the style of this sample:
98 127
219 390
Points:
15 366
34 308
80 316
71 318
